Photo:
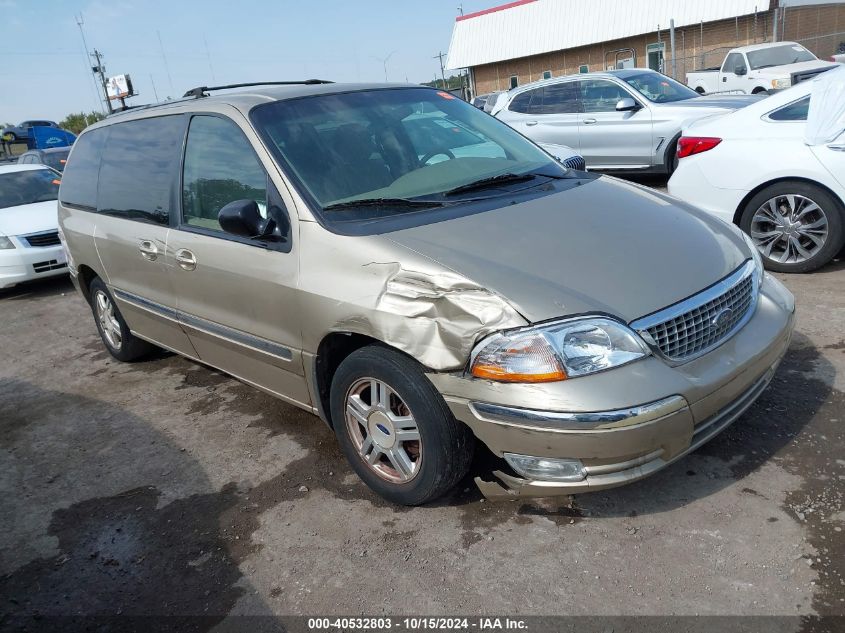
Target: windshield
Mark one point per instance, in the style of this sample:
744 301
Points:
26 187
659 88
413 144
779 56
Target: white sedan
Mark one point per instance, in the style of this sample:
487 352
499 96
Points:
29 227
775 168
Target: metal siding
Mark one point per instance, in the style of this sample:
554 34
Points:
544 26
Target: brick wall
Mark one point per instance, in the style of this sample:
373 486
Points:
695 47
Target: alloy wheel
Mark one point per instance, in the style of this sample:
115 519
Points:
109 324
383 430
789 229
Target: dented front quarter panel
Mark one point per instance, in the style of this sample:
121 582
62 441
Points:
369 285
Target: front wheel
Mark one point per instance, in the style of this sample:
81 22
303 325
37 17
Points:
395 428
796 226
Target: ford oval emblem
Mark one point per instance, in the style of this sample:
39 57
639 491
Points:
722 318
383 429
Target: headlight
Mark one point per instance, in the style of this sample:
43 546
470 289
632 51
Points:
755 253
557 351
779 84
5 243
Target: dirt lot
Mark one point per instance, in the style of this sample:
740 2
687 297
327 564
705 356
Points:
164 487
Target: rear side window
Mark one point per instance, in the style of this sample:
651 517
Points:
522 102
220 167
140 168
79 179
558 99
796 111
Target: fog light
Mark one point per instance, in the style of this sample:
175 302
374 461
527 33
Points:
546 468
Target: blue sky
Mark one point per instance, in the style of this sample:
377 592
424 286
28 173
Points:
44 73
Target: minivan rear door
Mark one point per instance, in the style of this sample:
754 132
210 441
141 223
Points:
236 296
138 184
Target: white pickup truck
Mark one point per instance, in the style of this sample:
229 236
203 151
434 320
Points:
759 68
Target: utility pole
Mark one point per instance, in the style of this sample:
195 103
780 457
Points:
79 22
100 70
442 72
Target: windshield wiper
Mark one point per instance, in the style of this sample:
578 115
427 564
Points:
493 181
384 202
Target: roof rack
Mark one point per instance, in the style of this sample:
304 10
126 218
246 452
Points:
202 90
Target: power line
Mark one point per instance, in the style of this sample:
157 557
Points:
166 67
79 22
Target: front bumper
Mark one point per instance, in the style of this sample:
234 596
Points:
26 263
601 419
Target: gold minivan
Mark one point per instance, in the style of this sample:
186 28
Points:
423 278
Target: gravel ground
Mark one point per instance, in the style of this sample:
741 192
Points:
164 487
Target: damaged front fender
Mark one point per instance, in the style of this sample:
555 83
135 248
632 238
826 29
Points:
417 306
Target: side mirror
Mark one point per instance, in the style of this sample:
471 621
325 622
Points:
241 217
627 105
740 70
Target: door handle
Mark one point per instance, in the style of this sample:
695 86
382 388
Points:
186 259
588 121
837 148
724 78
531 123
149 250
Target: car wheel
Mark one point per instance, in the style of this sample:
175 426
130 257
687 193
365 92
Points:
114 331
11 137
796 226
395 428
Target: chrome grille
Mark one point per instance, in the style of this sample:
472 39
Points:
49 238
576 162
700 323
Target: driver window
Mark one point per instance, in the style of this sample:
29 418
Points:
598 95
734 61
220 167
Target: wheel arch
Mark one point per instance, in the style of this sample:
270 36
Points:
86 275
333 349
807 181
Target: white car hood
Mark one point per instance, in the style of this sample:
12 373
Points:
826 118
29 218
787 69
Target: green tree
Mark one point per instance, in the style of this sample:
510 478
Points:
78 121
453 82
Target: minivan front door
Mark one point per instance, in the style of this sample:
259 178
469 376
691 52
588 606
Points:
611 139
136 192
236 296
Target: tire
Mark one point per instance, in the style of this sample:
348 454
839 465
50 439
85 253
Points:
12 137
759 90
406 472
114 331
700 90
818 231
672 156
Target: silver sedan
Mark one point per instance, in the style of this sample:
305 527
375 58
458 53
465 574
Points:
627 120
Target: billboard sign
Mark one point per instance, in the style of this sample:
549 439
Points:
119 86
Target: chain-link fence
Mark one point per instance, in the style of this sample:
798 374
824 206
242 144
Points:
708 59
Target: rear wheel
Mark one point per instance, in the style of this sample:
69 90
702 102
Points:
395 428
114 331
796 226
11 137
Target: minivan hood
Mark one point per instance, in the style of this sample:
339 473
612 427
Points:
606 246
29 218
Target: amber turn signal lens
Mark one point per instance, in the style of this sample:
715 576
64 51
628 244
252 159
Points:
492 372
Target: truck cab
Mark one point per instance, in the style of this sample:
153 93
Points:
760 68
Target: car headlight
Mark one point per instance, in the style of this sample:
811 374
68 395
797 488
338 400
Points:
779 84
556 351
5 243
